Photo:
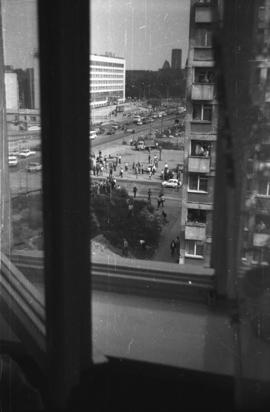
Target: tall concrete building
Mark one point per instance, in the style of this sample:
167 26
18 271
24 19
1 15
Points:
200 137
256 245
176 63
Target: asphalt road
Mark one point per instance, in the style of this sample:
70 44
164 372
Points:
22 181
160 123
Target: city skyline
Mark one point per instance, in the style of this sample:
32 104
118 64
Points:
142 31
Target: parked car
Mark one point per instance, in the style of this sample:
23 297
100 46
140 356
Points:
139 123
12 160
171 183
130 130
33 128
27 153
34 167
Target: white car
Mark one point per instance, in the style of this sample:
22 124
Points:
171 183
12 160
26 153
34 167
33 128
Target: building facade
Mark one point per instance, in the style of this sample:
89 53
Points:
201 125
256 250
176 63
12 90
107 80
26 88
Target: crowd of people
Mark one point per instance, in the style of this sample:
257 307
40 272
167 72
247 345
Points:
113 165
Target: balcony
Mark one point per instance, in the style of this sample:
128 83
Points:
195 231
203 54
199 164
204 15
261 239
202 92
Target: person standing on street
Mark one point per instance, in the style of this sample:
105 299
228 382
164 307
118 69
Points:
162 200
164 214
177 246
125 247
134 191
172 247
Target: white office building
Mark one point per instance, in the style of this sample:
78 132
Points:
107 80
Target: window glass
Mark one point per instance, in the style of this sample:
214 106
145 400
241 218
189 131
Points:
20 138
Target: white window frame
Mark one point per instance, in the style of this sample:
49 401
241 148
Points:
198 184
267 194
202 112
194 255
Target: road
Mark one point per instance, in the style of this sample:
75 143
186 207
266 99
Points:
22 181
139 130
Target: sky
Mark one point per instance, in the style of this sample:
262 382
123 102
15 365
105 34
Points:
142 31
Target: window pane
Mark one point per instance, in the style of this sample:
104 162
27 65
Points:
207 112
203 183
197 111
193 182
21 142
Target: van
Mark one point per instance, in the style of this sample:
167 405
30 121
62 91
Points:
93 134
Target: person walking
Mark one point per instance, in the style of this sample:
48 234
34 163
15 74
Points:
162 200
158 203
164 215
121 172
177 246
134 191
172 247
125 247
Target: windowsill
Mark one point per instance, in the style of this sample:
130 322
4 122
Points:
197 224
194 256
203 84
263 196
201 121
199 157
197 191
202 47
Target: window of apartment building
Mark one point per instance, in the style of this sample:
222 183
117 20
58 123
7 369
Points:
197 182
196 216
194 248
202 112
200 148
262 223
203 37
264 187
204 75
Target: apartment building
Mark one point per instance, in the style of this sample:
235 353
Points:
200 136
107 80
256 250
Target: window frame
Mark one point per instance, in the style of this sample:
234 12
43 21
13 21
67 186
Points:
194 255
199 177
202 112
